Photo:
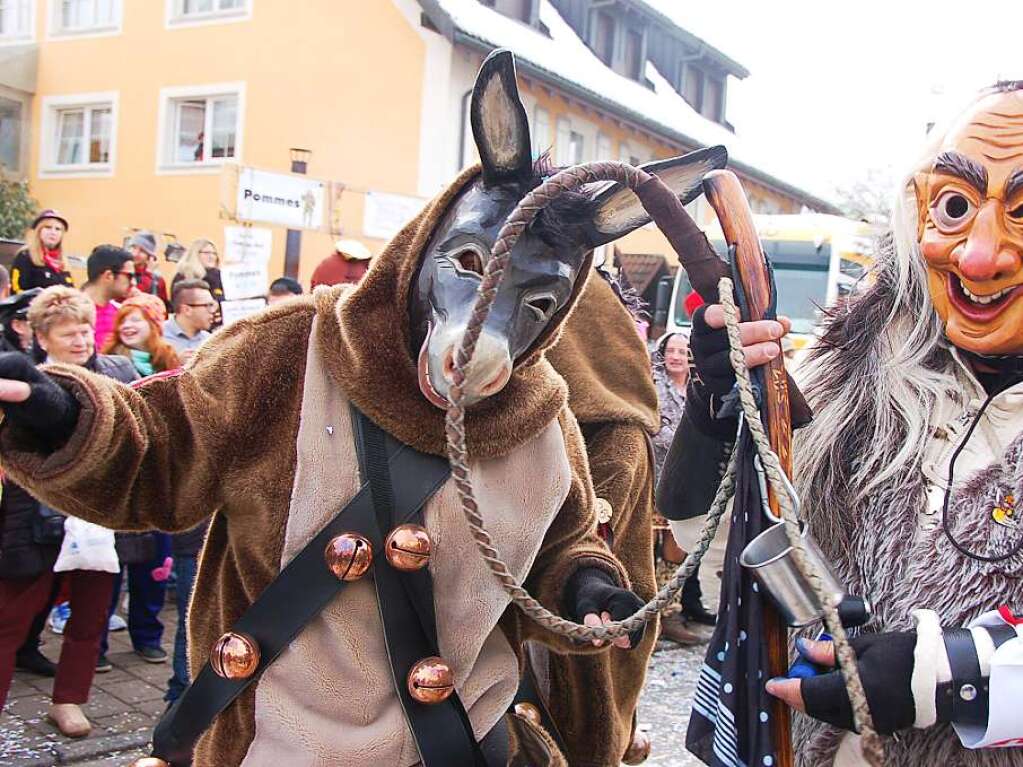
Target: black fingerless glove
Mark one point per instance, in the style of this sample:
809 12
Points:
592 590
49 414
715 379
710 355
885 662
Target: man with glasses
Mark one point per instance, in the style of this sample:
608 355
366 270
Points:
111 273
194 311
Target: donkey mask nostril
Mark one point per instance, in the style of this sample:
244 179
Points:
449 363
496 383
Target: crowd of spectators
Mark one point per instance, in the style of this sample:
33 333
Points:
123 322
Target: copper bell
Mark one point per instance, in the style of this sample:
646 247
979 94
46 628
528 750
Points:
349 556
149 761
639 749
235 656
431 680
407 548
529 712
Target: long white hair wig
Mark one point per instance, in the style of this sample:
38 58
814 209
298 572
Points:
877 375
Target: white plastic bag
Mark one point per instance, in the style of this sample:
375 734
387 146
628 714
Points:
86 547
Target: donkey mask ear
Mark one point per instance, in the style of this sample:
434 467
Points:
617 210
499 123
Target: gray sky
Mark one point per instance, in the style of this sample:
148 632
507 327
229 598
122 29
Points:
839 87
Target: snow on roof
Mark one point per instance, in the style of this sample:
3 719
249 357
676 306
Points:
565 56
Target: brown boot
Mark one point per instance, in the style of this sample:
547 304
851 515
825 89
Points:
69 720
673 628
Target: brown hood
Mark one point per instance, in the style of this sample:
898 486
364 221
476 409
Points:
605 362
364 337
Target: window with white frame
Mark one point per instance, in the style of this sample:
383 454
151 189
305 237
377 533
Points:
76 16
604 151
16 20
11 112
201 126
79 133
185 11
571 145
541 132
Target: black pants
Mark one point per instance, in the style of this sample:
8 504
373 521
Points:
692 594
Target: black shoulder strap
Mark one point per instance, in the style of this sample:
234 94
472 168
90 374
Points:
442 731
298 594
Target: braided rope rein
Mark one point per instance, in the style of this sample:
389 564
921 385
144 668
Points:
872 747
523 215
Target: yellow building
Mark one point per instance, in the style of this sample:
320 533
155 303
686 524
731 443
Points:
122 114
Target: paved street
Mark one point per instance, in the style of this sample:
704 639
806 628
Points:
124 705
127 701
666 702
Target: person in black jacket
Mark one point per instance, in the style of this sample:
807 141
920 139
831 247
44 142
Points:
62 319
16 336
40 264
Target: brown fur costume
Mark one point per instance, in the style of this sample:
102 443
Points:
223 437
612 394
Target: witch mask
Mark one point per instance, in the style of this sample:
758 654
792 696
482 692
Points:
970 208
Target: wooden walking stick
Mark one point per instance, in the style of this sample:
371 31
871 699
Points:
726 196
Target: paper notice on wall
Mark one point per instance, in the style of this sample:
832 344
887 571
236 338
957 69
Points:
244 281
233 311
244 271
247 245
386 214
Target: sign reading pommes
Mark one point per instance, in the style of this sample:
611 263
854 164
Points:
279 198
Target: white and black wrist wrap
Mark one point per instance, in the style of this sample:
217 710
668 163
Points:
964 700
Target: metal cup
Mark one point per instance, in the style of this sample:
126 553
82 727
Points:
769 556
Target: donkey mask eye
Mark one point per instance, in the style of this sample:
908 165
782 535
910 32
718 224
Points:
468 260
543 306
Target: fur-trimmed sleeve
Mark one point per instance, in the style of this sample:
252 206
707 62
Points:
571 542
155 455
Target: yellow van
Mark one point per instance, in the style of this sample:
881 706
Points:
817 260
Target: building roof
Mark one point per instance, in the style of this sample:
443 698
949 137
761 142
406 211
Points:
668 14
565 61
641 268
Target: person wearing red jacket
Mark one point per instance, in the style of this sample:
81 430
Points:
348 263
143 251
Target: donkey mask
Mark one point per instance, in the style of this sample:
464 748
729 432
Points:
546 262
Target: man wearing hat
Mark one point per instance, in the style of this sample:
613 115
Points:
348 262
41 262
143 248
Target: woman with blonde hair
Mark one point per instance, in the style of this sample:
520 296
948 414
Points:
201 262
40 263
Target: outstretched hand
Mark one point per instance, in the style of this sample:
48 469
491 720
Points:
13 391
593 595
35 402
